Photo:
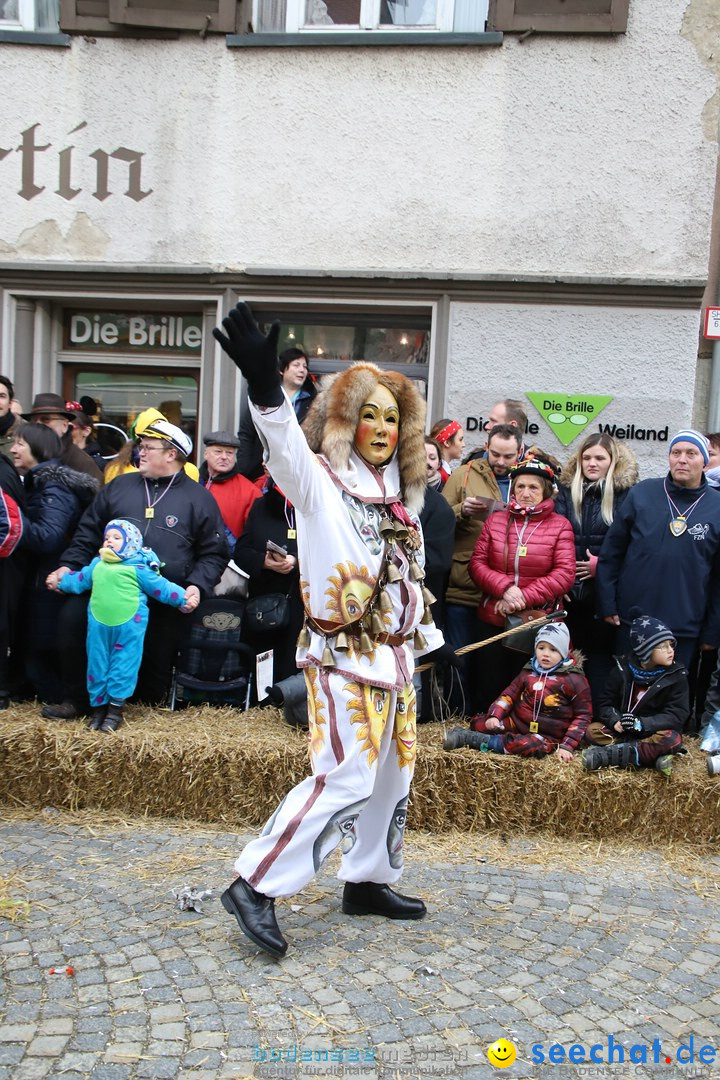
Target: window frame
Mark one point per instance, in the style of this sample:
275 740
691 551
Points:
369 22
26 18
503 17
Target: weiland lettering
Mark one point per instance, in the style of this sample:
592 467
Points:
632 432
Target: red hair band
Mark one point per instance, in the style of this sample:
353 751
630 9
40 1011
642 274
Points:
448 431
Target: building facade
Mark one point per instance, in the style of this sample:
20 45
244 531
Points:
505 200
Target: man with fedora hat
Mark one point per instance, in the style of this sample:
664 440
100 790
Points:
220 474
51 410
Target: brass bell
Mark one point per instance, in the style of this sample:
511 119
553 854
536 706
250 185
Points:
393 574
377 626
327 657
366 645
427 596
303 641
386 527
415 572
419 640
427 617
342 642
385 601
400 530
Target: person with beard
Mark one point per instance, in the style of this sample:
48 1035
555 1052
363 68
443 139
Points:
355 474
8 419
471 492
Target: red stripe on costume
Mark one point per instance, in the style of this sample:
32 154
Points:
335 740
288 832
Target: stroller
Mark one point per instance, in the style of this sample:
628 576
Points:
214 665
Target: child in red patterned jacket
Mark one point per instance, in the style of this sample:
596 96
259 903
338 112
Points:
546 708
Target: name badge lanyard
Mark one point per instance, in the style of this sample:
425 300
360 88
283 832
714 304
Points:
150 508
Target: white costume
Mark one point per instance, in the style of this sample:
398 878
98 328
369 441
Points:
358 574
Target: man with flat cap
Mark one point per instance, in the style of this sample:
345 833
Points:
220 474
181 522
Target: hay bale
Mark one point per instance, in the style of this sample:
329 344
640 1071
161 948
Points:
231 768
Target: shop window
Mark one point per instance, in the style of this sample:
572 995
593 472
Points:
334 339
38 15
394 16
120 395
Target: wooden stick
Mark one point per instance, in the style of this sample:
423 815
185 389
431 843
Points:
530 624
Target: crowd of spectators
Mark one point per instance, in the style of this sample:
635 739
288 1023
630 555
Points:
511 533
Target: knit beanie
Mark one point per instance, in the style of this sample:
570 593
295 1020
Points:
132 537
694 437
557 635
646 634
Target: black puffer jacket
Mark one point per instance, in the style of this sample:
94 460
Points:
186 529
664 706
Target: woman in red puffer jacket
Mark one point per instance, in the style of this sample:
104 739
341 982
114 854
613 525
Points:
523 558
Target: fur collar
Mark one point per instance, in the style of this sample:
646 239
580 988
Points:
332 420
626 469
82 485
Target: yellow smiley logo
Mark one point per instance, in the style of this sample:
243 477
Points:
501 1054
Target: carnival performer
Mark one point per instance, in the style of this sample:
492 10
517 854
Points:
355 474
120 578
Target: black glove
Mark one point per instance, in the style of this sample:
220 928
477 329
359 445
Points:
443 655
631 725
253 353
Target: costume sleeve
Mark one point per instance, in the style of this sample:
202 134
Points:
78 581
582 712
562 575
89 532
612 553
490 581
290 461
509 697
159 588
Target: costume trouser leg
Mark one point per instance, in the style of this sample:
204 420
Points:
114 656
362 750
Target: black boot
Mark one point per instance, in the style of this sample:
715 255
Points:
113 719
369 898
460 736
97 716
255 914
621 755
66 710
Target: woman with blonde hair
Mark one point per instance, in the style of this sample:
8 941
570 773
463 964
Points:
593 485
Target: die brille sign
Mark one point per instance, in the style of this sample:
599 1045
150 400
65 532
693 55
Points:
570 415
118 331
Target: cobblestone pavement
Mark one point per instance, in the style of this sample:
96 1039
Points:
532 942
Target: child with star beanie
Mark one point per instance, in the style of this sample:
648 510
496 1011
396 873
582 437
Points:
120 580
644 705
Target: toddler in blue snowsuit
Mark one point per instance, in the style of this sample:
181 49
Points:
120 578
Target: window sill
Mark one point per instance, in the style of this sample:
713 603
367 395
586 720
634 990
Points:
33 37
362 38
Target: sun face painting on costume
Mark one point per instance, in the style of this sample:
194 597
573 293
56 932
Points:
356 476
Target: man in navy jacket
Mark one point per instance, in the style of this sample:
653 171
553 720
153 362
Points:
662 553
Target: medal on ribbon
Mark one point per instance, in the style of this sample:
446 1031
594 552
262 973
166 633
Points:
678 525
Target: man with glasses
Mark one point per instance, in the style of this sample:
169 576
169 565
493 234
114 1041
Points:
181 522
52 411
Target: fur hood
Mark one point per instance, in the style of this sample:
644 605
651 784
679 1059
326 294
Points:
626 473
84 487
331 423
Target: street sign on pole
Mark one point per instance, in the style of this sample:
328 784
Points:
712 323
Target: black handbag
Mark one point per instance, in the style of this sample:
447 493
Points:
524 640
266 613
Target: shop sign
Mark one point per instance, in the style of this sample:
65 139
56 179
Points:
712 323
123 332
569 414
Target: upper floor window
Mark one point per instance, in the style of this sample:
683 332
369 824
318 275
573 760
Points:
29 15
296 16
